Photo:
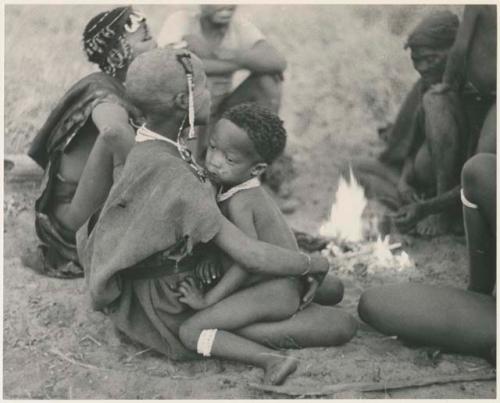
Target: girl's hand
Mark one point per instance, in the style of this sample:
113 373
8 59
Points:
191 295
313 285
208 271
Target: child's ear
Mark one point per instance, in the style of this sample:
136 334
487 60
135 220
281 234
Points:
258 169
181 100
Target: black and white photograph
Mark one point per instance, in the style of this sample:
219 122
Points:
249 201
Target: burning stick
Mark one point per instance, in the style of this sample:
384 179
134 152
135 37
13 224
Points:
368 251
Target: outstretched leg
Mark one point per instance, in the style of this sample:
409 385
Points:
449 318
269 301
479 206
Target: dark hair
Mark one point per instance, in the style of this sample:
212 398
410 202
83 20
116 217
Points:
263 127
104 42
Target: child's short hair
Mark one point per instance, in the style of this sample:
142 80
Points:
263 127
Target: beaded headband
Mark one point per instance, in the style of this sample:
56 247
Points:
118 57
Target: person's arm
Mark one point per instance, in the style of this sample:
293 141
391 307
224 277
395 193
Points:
263 258
408 216
260 58
236 275
456 63
112 122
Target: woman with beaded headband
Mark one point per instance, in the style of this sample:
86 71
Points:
161 220
86 136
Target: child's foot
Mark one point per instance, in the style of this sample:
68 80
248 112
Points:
279 369
433 225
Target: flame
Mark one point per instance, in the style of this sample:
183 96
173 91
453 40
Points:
345 220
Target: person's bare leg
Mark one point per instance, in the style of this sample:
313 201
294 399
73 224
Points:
479 206
315 326
442 133
448 318
269 301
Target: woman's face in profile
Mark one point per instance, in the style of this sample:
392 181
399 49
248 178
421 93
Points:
137 34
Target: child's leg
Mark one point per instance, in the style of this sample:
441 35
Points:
315 326
449 318
270 301
479 207
264 89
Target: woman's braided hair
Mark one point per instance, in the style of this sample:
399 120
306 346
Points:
104 41
263 127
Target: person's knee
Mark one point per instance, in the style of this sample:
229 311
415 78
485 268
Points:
270 87
473 175
331 292
366 306
189 334
340 326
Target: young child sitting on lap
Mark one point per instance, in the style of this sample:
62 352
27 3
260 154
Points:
242 145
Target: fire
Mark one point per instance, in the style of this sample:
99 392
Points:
345 221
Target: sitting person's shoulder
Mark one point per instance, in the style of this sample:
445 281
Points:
248 199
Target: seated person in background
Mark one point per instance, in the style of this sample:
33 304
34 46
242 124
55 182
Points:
423 157
86 136
226 43
243 143
451 319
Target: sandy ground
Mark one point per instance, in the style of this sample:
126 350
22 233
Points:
56 347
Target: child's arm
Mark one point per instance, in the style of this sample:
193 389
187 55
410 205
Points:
234 277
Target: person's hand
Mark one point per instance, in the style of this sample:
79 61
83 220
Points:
191 295
310 293
199 46
208 271
407 216
407 193
440 88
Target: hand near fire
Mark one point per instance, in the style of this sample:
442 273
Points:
408 216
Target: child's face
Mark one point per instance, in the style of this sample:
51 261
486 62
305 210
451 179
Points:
231 156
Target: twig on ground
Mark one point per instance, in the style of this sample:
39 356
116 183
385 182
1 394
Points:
374 387
89 337
131 357
61 355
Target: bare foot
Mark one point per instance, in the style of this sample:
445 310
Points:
434 225
279 369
